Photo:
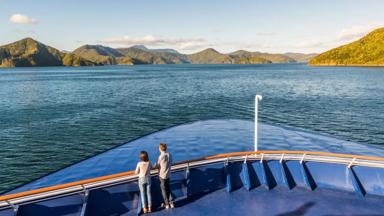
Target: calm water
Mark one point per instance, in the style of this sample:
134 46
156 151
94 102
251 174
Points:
52 117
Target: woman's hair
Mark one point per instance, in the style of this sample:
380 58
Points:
163 146
144 156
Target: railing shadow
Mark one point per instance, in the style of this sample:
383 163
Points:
302 210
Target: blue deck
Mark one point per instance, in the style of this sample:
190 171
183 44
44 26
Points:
199 139
278 202
219 189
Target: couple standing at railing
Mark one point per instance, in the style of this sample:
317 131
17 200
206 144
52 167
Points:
144 167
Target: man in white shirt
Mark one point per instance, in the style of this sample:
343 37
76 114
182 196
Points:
164 164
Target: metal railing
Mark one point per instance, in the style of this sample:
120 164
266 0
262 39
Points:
84 186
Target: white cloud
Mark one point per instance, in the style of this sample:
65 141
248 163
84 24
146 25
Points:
22 19
313 44
344 36
355 32
186 45
149 40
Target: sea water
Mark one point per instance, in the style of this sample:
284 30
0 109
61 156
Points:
55 116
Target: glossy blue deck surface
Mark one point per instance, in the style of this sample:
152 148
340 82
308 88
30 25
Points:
199 139
279 202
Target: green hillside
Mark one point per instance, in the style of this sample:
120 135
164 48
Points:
71 59
276 58
28 52
139 54
301 57
251 60
209 56
245 57
147 56
368 51
97 53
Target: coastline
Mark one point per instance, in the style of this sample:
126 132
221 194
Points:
92 66
346 65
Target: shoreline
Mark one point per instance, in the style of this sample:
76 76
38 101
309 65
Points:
96 66
347 65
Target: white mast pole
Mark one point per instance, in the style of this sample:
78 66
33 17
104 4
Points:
257 99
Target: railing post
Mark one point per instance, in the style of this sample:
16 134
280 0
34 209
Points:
227 176
302 159
351 163
85 201
257 99
15 208
244 175
188 181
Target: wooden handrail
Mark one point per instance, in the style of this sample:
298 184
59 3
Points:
123 174
62 186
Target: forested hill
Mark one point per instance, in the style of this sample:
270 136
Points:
367 51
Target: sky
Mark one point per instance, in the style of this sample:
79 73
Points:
276 26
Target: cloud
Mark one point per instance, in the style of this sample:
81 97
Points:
22 19
149 40
184 44
308 45
313 44
355 32
344 36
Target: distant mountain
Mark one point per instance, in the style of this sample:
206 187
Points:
155 50
367 51
133 55
102 55
209 56
301 57
147 56
28 52
70 59
245 57
276 58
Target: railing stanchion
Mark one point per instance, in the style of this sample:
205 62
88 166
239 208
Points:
351 163
188 181
85 201
15 208
302 159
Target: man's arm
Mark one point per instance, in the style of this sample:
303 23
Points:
157 164
137 169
